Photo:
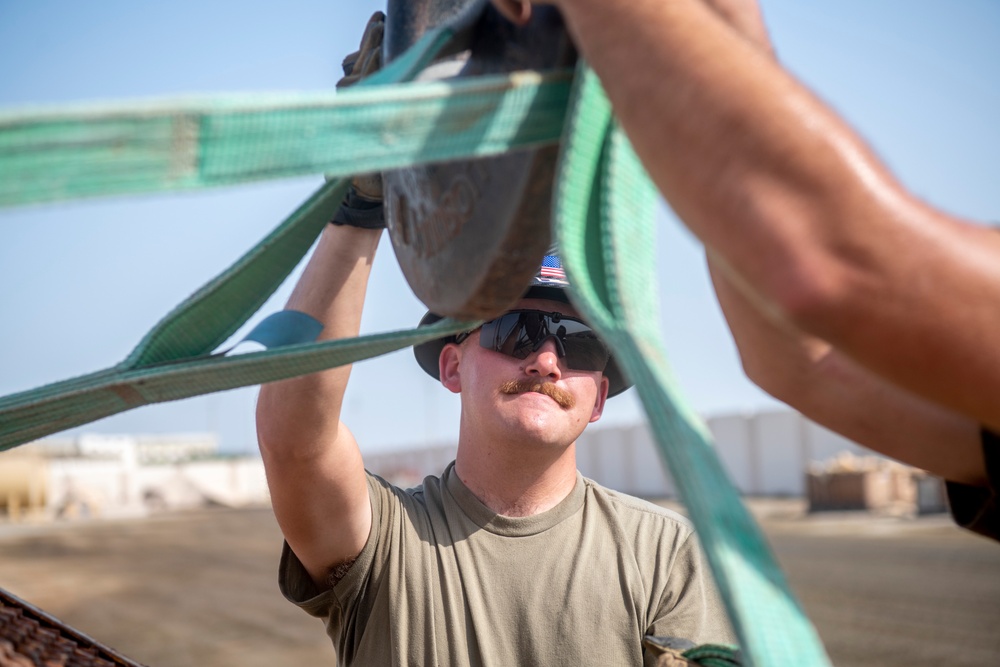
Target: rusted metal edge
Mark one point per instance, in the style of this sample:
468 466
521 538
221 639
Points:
45 620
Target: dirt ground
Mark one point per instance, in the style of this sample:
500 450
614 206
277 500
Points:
890 592
199 588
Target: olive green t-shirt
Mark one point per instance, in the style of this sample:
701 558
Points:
443 580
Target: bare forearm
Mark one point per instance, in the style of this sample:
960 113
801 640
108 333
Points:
332 290
833 390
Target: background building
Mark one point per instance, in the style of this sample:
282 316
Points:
773 454
101 475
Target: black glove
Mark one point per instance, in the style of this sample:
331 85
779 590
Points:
362 207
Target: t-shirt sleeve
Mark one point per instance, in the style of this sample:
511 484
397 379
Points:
692 609
298 587
978 507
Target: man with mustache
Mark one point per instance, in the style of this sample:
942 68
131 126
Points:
511 556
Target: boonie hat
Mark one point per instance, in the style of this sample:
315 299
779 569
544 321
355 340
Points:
549 283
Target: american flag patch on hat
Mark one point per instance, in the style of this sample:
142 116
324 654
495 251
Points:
552 268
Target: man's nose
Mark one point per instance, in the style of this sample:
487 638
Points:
544 361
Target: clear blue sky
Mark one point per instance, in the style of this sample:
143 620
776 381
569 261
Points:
83 281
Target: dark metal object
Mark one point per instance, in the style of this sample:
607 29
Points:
469 236
31 636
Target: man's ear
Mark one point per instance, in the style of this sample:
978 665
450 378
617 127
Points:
602 397
448 371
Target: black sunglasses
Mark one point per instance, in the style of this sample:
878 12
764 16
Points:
518 333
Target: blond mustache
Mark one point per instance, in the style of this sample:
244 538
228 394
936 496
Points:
560 396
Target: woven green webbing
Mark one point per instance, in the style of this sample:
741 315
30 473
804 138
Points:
603 213
603 216
173 361
39 412
185 145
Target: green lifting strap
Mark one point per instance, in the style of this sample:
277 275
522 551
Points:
603 216
173 361
603 213
90 151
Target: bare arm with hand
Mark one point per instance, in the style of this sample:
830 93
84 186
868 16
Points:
828 386
317 480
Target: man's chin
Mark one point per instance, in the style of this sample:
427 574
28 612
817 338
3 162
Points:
542 422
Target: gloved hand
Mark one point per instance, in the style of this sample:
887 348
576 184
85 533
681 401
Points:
362 207
368 58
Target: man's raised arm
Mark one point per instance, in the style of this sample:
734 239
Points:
314 469
315 474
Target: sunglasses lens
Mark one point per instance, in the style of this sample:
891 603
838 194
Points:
519 333
511 334
585 352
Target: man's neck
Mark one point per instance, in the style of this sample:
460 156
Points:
516 481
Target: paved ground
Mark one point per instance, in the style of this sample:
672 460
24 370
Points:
199 588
